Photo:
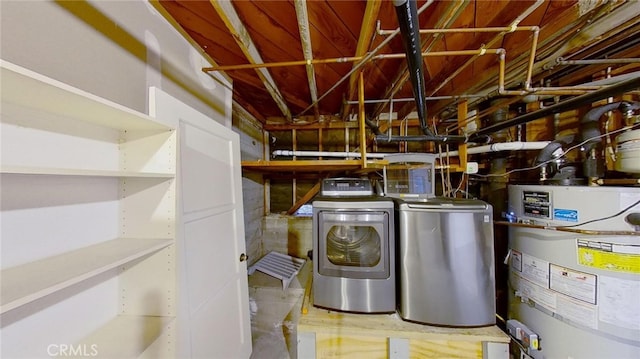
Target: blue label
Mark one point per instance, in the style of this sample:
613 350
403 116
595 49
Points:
569 215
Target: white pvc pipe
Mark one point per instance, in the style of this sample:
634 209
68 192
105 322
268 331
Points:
501 146
495 147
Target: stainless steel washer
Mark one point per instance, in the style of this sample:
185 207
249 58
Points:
354 252
445 261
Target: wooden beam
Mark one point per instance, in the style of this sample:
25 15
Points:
327 166
305 39
304 199
364 42
319 166
240 33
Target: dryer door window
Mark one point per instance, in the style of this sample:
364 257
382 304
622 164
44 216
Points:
353 244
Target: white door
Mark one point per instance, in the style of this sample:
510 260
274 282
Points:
213 301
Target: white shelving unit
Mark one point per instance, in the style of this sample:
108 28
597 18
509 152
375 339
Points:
88 223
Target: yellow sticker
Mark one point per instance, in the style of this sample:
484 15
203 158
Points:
617 262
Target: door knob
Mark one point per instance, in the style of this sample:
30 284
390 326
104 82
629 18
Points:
243 257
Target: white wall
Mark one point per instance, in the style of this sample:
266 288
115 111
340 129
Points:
114 49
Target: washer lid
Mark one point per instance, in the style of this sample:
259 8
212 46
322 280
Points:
443 203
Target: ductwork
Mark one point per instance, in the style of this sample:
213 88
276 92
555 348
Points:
590 123
407 13
550 158
593 167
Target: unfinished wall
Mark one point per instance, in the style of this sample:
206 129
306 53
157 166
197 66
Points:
287 234
251 149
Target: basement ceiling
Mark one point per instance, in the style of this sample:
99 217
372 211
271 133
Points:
298 62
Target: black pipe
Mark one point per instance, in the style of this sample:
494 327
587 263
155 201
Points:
570 104
407 13
425 138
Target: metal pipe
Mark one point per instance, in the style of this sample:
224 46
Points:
501 146
407 15
532 57
367 57
453 11
514 24
561 61
289 153
565 229
613 80
567 105
496 147
363 135
428 98
505 29
425 138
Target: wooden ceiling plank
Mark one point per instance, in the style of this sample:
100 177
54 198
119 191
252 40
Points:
307 50
231 19
367 30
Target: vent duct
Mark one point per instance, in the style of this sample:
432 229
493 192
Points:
407 13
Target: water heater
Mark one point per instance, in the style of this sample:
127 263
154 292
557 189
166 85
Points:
576 293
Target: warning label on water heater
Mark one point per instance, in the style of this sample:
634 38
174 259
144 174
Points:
609 256
574 284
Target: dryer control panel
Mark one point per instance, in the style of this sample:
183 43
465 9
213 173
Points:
345 187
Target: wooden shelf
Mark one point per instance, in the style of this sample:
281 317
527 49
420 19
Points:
25 283
126 336
80 172
279 166
29 89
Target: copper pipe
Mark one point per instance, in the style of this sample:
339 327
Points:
284 63
428 98
363 134
514 24
501 71
532 56
561 61
572 230
567 90
452 12
505 29
478 52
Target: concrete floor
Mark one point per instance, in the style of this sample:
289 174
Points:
275 313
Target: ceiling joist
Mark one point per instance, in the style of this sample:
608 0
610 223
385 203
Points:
305 39
367 30
231 19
